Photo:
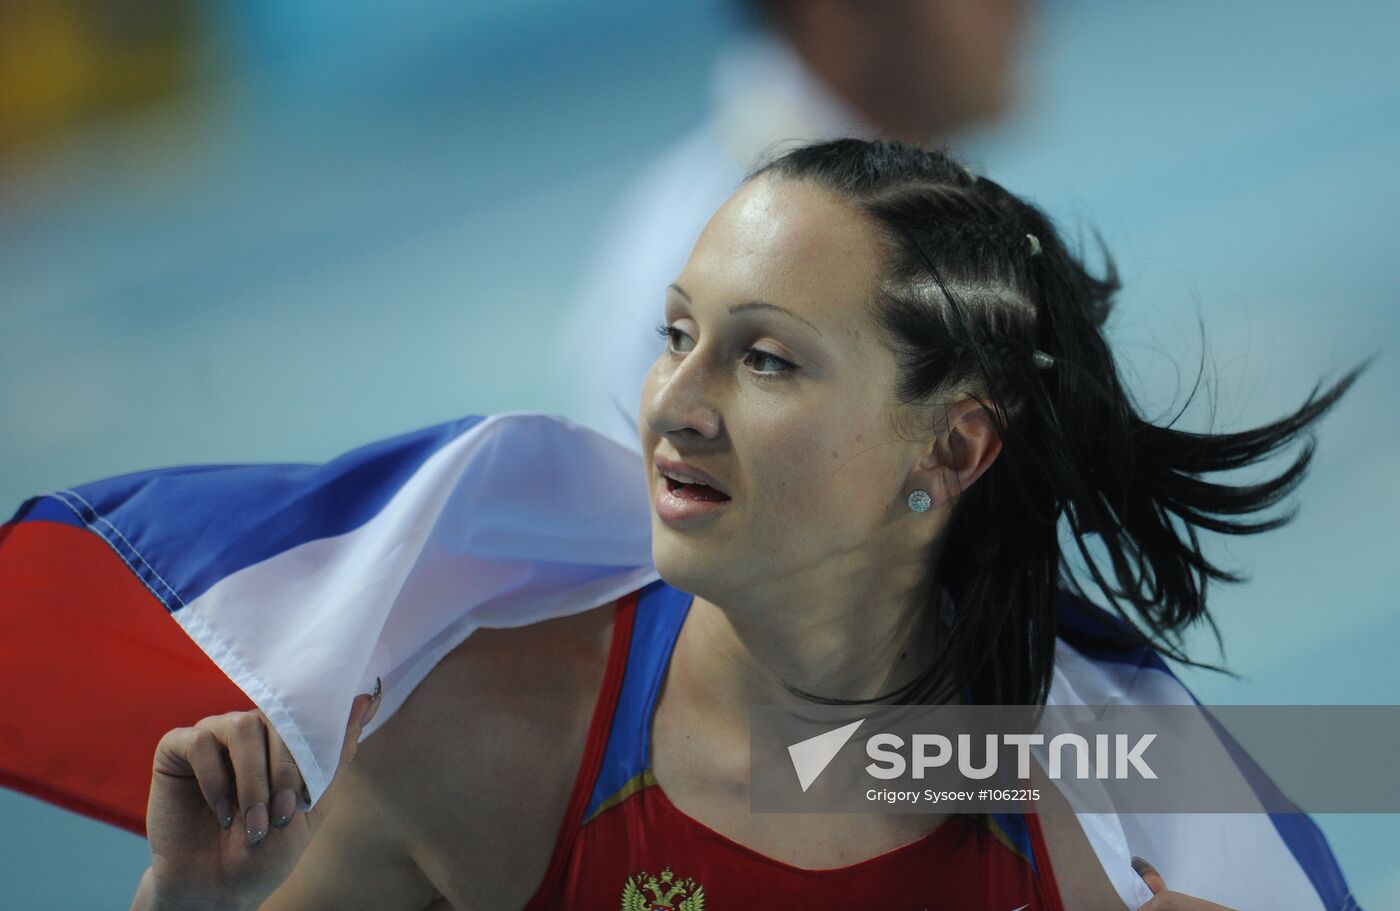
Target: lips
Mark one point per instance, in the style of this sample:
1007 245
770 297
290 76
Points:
687 507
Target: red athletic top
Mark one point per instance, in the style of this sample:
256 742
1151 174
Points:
624 845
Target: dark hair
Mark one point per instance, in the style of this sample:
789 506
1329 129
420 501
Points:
977 282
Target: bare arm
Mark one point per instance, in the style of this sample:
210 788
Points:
1081 878
362 856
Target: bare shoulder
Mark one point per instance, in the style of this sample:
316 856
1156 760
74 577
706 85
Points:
480 760
1078 874
455 801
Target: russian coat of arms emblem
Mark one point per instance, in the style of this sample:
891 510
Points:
664 892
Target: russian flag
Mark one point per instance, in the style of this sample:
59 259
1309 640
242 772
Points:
145 602
1239 860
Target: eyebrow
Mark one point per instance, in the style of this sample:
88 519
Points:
752 305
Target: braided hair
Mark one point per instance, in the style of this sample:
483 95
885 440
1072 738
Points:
982 297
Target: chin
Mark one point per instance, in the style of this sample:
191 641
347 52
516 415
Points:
684 564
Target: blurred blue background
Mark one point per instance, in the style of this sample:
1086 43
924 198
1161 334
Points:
284 229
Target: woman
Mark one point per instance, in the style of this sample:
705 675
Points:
885 381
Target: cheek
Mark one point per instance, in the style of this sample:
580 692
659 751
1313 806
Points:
829 479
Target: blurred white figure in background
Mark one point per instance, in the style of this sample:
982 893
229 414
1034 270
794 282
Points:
915 70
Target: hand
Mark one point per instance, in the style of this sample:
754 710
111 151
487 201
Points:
1161 899
224 819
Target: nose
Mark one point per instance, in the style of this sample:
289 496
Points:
678 397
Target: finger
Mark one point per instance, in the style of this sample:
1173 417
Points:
362 710
247 750
196 753
211 768
284 780
1149 875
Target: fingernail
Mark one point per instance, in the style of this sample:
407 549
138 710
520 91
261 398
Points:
375 698
223 808
255 824
284 804
1142 867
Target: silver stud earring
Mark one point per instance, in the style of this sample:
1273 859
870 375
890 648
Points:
920 501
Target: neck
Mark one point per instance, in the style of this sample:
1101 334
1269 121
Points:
855 637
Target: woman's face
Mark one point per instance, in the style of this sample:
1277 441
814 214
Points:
815 476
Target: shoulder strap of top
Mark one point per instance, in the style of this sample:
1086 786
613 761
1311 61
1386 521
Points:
1044 870
625 768
619 735
1021 833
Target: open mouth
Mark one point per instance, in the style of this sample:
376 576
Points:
692 490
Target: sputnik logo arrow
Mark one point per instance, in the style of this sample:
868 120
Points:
811 756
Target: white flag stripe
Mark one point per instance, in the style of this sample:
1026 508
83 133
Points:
522 518
1233 859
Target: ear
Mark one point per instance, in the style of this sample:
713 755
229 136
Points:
965 448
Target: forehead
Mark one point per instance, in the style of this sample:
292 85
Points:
789 243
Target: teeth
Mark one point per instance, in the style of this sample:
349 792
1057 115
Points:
683 478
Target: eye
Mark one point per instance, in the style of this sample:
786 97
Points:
669 333
780 368
765 357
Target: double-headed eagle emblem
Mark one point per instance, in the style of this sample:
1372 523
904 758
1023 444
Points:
667 892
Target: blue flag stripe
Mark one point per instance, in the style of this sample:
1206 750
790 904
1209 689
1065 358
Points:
182 530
